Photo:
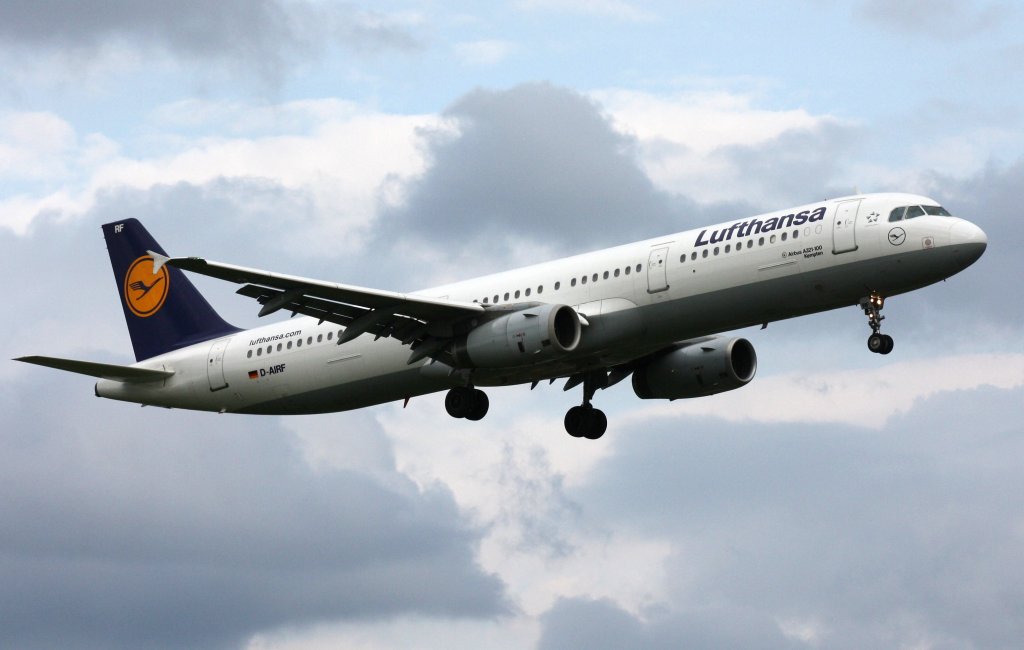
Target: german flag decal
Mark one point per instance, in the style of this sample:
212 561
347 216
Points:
254 374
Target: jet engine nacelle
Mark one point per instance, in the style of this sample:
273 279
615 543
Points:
697 369
522 337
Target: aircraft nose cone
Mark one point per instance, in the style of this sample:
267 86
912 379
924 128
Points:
969 241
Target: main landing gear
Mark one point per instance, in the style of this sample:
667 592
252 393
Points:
878 343
585 421
466 402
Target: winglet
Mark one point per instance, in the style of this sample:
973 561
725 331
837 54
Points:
158 261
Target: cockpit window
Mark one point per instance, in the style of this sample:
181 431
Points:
911 211
914 211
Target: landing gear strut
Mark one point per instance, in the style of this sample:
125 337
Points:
466 402
878 343
585 421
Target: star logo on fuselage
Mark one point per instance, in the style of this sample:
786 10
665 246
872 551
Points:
873 217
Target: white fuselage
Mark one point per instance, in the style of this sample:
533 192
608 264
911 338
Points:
636 299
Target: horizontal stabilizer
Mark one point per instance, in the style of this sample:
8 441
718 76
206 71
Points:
126 374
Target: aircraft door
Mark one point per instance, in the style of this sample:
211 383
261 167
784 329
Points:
215 365
844 227
657 273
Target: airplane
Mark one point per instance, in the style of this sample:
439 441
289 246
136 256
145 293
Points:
653 310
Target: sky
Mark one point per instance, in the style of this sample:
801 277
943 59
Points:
841 500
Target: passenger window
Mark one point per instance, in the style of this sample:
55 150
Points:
628 269
506 296
739 245
485 300
784 235
605 276
319 338
298 343
270 348
638 267
527 290
583 279
279 347
558 285
249 355
716 250
897 214
289 345
616 273
330 335
796 233
693 256
573 283
704 253
594 279
760 242
309 341
259 352
495 299
913 211
772 240
540 289
727 248
517 293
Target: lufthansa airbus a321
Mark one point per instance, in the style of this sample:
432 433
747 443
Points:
652 310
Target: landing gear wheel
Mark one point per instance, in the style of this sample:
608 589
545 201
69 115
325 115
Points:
480 406
586 422
575 421
469 403
887 344
876 343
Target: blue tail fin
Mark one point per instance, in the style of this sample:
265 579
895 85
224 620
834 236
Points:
164 310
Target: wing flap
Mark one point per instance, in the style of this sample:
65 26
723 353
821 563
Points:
125 374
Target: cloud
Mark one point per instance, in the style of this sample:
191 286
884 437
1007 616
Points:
715 145
934 18
265 37
484 52
184 530
616 9
840 536
534 167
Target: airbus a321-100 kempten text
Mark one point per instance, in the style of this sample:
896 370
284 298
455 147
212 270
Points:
651 310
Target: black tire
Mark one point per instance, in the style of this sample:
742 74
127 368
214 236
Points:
575 421
480 406
597 425
887 344
459 402
876 343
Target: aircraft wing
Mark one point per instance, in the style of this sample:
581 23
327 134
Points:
416 320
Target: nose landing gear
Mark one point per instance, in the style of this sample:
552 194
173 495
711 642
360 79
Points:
878 343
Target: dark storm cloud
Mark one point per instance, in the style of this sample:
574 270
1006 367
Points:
936 18
535 163
600 624
798 165
130 527
265 34
879 539
990 199
154 528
